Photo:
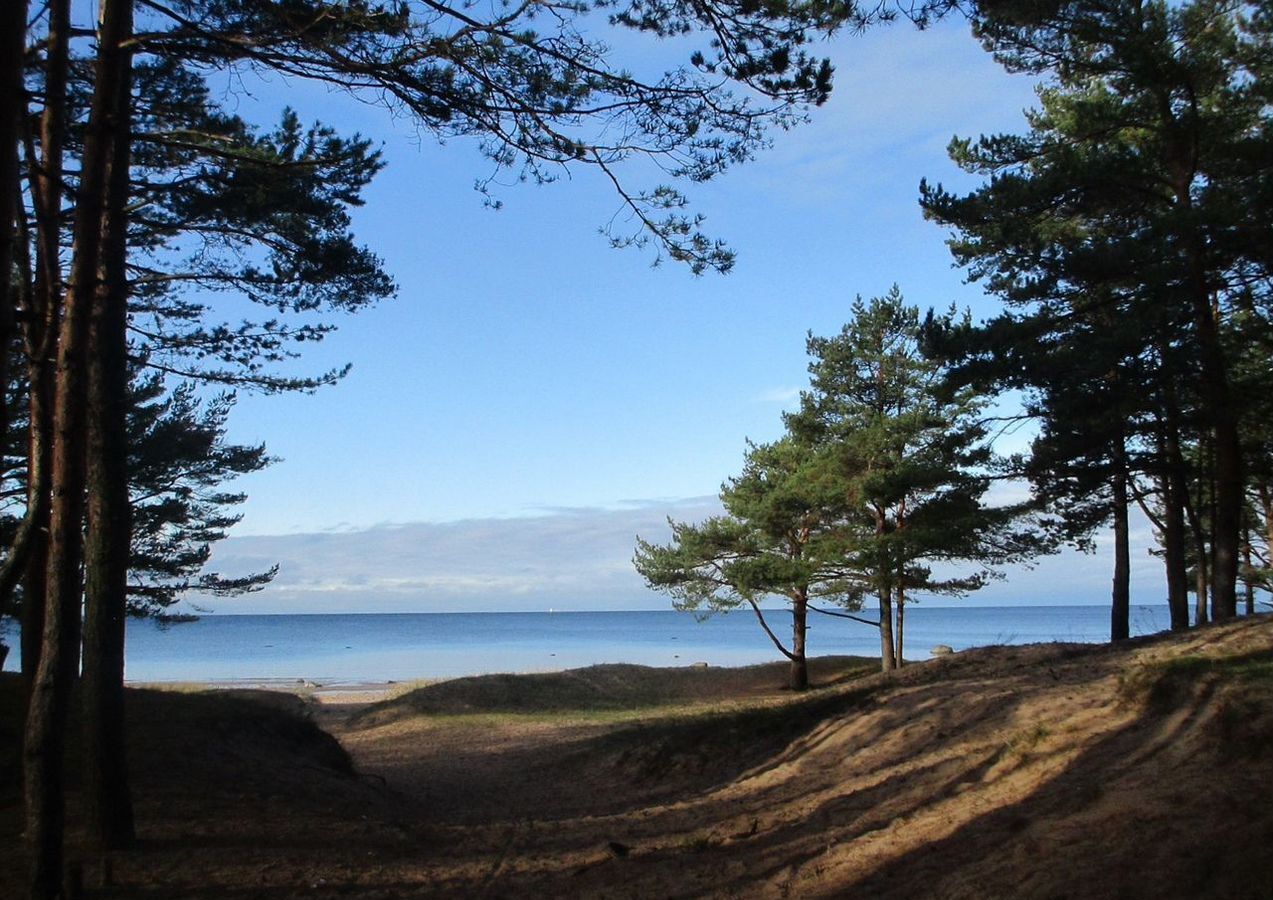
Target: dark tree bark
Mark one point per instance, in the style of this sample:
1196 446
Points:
47 718
28 557
1120 606
43 325
798 674
1174 560
900 656
1248 586
39 486
1202 580
1202 587
1213 376
12 105
888 661
108 802
12 35
799 678
46 723
1175 493
1227 523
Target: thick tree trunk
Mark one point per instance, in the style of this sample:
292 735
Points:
1174 558
12 110
43 322
43 751
12 52
108 802
799 679
888 661
39 468
1202 588
47 718
46 722
40 334
1227 466
1175 491
1201 570
1120 606
1248 583
899 657
1266 507
1227 525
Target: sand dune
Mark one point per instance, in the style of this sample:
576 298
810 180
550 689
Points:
1042 771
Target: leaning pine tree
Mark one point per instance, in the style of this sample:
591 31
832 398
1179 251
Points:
783 536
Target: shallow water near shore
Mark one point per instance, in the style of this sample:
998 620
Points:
379 648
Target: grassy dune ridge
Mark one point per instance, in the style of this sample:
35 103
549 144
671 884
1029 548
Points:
605 688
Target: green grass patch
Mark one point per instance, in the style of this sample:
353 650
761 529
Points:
1165 683
604 693
1249 667
714 746
1027 739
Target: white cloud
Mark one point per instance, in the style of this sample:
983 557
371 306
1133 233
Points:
900 96
567 559
784 395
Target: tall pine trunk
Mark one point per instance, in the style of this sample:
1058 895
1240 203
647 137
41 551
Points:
888 661
56 660
1266 507
1202 580
39 486
47 718
1202 588
1174 558
1221 414
42 325
12 52
1120 606
1227 525
1248 583
799 675
108 802
899 657
1174 490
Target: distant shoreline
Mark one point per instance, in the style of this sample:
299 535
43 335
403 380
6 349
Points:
323 692
746 611
349 652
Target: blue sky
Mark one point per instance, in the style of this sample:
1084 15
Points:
528 371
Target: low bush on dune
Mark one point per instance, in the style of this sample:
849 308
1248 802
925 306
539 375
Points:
602 688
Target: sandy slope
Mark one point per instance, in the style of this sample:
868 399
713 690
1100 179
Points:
1045 771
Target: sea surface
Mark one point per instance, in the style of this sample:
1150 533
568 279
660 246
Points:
371 648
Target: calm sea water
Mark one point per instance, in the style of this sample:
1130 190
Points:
375 648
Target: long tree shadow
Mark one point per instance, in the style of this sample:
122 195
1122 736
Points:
1125 819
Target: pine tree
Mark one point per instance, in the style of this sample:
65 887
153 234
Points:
784 536
541 103
912 462
1129 206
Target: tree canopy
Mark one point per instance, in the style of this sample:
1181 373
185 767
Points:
1121 233
878 487
784 536
145 221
